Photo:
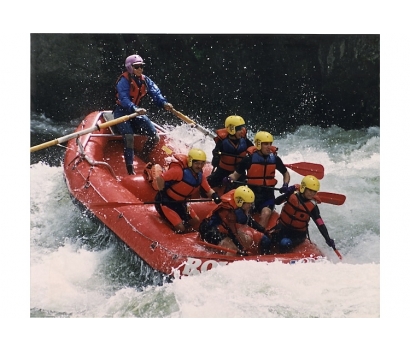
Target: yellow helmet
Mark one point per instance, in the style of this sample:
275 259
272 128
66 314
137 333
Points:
310 182
196 154
262 136
243 194
232 122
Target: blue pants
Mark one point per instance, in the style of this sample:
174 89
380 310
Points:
264 197
140 125
286 239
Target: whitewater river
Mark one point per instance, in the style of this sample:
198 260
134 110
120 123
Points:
79 270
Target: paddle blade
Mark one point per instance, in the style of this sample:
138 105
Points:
304 168
331 198
338 254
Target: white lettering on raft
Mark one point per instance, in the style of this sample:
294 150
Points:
196 266
303 260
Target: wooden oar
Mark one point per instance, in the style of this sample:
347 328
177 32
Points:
121 204
66 138
205 131
304 168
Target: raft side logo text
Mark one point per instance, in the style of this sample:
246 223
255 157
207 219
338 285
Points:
196 266
303 261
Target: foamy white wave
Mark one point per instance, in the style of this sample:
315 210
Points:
276 290
64 281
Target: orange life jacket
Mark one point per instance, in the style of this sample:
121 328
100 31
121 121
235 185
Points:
223 133
136 92
220 135
181 190
296 215
232 154
262 170
228 203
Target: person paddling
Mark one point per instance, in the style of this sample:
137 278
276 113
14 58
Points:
221 227
260 166
177 185
131 87
231 144
300 205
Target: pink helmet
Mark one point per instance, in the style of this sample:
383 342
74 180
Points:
130 60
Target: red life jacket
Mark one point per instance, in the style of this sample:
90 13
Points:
294 214
181 190
220 135
233 154
228 203
136 92
262 170
223 133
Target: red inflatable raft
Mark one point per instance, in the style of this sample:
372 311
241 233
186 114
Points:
96 176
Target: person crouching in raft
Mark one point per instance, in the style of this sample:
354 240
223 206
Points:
220 227
176 186
301 205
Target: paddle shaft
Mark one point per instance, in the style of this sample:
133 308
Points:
120 204
86 131
217 247
325 197
189 121
338 254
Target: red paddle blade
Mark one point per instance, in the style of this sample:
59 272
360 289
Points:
304 168
331 198
338 254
